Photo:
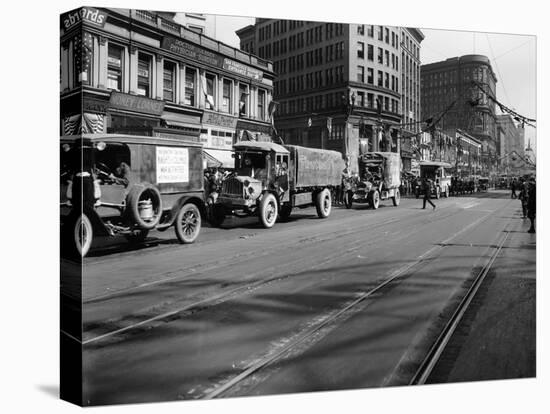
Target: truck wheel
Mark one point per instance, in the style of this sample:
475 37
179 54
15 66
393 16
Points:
268 210
188 223
375 199
217 215
81 235
285 212
140 193
396 198
348 199
323 203
137 236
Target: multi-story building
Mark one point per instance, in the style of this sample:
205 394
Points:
338 86
512 143
467 81
137 72
410 92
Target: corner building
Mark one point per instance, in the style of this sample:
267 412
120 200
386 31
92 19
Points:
474 113
139 72
337 84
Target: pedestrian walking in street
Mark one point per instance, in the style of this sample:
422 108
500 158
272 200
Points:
532 204
427 188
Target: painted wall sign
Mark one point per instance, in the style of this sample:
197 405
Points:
136 103
185 49
212 118
172 165
242 70
84 14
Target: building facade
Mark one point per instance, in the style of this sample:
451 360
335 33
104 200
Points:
338 86
137 72
512 144
467 81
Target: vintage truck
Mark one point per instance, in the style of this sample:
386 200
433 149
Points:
438 173
379 178
114 184
271 179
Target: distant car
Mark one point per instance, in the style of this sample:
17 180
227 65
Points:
128 185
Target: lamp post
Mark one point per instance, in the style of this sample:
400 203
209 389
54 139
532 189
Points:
348 100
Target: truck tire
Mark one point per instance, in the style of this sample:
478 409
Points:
396 198
188 223
284 212
323 203
374 199
348 199
79 236
268 210
142 192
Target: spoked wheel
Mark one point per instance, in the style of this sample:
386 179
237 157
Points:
375 200
323 203
396 199
188 223
82 235
268 210
348 198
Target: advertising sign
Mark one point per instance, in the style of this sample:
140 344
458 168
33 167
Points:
136 103
84 14
172 165
242 70
185 49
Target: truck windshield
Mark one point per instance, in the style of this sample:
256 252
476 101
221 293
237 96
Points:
251 160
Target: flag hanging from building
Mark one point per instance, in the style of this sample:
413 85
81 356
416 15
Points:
309 122
84 124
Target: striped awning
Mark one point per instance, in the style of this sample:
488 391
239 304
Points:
218 158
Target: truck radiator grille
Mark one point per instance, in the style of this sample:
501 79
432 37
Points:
232 186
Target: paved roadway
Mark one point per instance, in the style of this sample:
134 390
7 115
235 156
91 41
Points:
165 321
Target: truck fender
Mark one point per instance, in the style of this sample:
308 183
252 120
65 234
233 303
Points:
178 205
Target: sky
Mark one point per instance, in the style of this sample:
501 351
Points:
512 56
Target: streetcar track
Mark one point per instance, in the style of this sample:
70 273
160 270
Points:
316 328
430 361
246 288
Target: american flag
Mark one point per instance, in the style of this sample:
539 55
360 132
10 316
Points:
83 49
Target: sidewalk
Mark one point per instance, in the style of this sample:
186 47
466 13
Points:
497 336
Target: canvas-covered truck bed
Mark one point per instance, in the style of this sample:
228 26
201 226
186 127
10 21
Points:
311 167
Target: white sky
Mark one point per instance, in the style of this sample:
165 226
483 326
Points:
512 57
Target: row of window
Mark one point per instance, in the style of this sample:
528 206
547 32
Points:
333 52
383 78
383 34
382 53
335 100
410 45
219 91
310 81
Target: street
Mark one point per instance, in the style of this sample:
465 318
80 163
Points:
351 301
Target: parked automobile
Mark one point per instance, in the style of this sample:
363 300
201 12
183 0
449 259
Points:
115 184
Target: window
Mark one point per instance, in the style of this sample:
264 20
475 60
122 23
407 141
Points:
261 104
380 55
227 95
114 67
243 99
370 100
380 33
370 52
370 30
169 81
387 54
144 75
387 80
387 36
370 76
361 29
380 78
361 99
360 50
189 87
210 91
360 74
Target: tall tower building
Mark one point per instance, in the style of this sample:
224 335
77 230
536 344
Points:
339 86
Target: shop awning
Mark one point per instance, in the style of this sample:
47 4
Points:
218 158
181 121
